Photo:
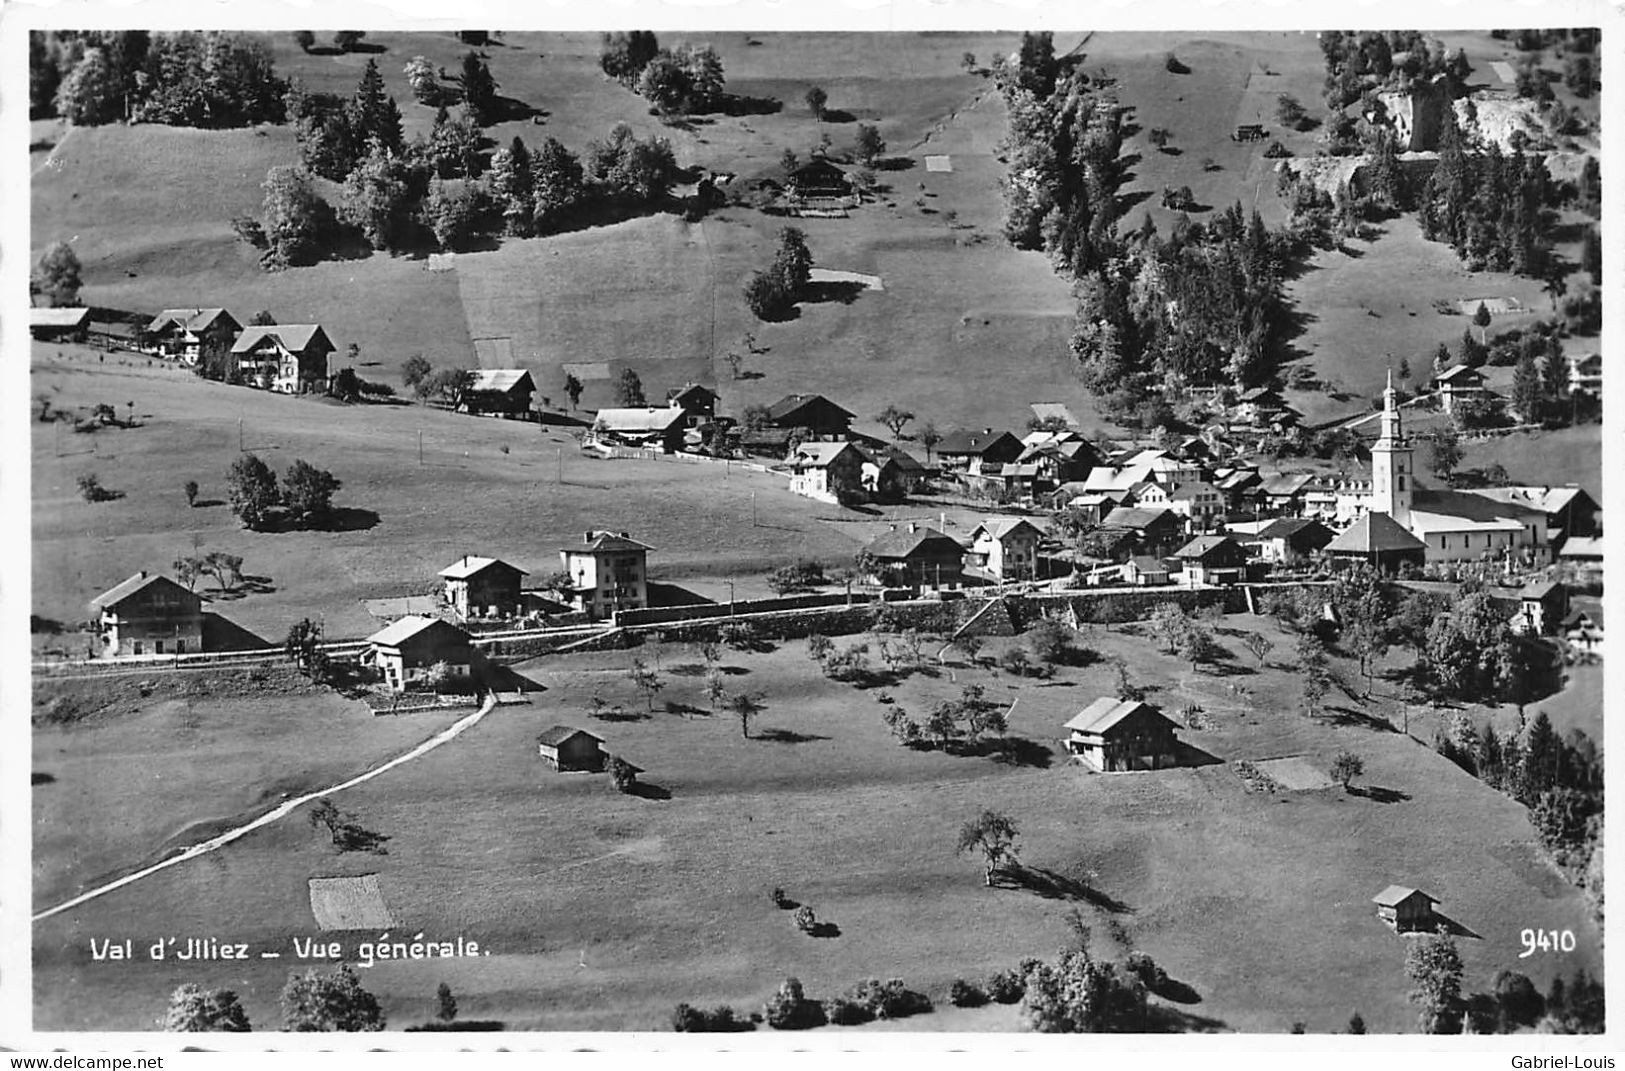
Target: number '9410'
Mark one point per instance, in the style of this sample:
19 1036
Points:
1545 941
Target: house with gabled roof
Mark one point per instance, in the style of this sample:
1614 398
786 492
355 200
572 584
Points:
1283 492
609 571
195 337
1542 605
483 587
1156 530
917 557
407 652
642 427
1213 559
1378 541
1114 734
503 391
1406 909
976 452
828 472
147 614
1456 383
1005 548
1146 570
1290 540
58 324
821 418
566 748
698 403
286 358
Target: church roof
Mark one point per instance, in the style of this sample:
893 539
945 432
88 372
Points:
1374 533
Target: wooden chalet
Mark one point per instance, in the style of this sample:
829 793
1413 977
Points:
505 392
641 427
828 472
569 749
286 358
195 337
699 404
147 614
1114 734
821 418
1405 909
1213 559
918 557
1290 540
406 652
1157 530
58 325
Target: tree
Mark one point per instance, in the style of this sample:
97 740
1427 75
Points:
90 93
572 388
629 389
374 115
1527 391
303 648
819 647
793 261
511 183
1481 320
291 216
420 76
453 148
307 491
193 1009
647 680
1314 671
305 40
479 88
333 1001
346 40
1356 1023
452 213
560 184
715 690
1195 643
664 83
894 419
1346 767
252 490
227 569
376 198
449 383
57 275
767 298
994 836
1258 644
191 492
816 99
745 707
1434 967
415 369
1289 111
1444 450
447 1004
622 774
869 144
1519 1002
1082 995
624 55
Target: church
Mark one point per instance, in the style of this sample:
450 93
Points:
1455 526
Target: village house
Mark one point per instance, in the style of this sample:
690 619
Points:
116 332
917 557
1582 630
1144 570
505 392
1213 559
1197 501
639 427
1114 734
408 653
286 358
1405 909
1157 530
1336 500
814 413
1237 485
483 587
1090 507
976 452
1457 383
195 337
910 473
1542 605
828 472
147 614
1375 539
569 749
58 325
820 187
699 404
1061 456
1005 548
609 571
1583 554
1569 510
1290 540
1283 493
1585 373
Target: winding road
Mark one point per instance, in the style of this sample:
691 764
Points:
279 812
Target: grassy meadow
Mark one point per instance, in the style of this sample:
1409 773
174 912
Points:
1259 902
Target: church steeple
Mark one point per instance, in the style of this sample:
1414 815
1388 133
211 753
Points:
1392 475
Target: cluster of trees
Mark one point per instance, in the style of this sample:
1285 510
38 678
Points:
427 381
1359 65
226 568
683 81
961 722
182 78
57 276
1434 966
313 1001
1491 207
773 292
305 497
1470 653
1204 306
1191 638
1560 780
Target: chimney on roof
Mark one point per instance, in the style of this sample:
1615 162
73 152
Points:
588 537
142 574
912 527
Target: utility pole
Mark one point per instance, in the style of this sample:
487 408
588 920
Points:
420 447
239 435
753 509
560 470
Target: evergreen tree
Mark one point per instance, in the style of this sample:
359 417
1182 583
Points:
1554 369
1527 391
559 185
793 262
453 149
511 183
451 213
373 114
479 88
629 389
90 94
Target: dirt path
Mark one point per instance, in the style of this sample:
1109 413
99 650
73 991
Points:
281 811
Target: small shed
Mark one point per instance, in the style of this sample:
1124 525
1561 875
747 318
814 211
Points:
1405 908
567 748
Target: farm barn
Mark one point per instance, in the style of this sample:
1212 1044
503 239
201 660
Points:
1113 734
148 614
56 325
566 748
1405 908
503 391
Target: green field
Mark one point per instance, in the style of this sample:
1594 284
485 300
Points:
1259 902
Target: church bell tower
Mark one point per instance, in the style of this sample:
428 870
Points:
1392 474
